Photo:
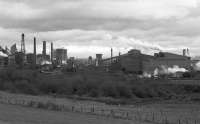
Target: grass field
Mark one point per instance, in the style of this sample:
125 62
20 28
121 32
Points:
165 112
12 114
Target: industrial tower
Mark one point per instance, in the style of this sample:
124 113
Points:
23 44
23 50
35 52
52 52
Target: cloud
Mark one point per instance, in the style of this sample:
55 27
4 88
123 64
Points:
18 11
82 23
91 14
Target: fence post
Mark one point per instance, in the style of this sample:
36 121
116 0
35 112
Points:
166 121
153 118
179 121
127 115
73 108
92 109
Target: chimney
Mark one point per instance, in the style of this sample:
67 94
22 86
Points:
23 43
23 50
184 52
188 52
111 54
44 49
51 52
34 59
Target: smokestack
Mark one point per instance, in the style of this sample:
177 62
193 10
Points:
111 54
23 49
184 52
34 51
23 43
44 49
51 52
188 52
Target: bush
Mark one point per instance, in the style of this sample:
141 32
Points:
9 86
23 86
108 89
89 84
192 88
124 90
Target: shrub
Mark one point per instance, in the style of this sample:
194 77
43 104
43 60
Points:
89 84
192 88
139 92
23 86
109 89
123 90
9 86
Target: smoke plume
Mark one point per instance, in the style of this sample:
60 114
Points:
197 66
168 70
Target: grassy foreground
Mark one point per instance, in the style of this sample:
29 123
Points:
12 114
159 113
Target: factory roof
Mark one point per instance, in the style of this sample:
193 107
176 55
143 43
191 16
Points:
160 55
170 55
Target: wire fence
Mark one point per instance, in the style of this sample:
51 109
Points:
158 117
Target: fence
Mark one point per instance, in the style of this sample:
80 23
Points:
137 115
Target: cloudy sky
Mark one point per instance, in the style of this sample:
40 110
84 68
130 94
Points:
86 27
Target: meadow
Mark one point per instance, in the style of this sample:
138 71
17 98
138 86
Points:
160 113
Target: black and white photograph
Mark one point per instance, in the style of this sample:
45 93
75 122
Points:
99 61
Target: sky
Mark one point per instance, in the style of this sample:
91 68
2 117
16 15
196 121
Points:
87 27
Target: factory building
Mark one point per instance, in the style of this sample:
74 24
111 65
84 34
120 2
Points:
41 61
136 62
30 58
60 56
90 61
19 59
98 60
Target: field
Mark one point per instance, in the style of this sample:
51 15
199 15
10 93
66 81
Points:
12 114
160 113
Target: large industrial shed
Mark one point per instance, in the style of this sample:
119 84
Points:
136 62
166 59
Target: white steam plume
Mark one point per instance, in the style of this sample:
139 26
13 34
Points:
197 66
169 70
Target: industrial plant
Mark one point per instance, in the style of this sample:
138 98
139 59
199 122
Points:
133 62
21 59
138 63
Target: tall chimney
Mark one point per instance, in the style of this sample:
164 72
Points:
44 49
23 44
23 50
34 56
188 52
184 52
51 52
111 54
